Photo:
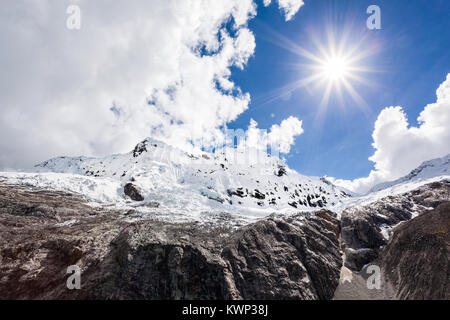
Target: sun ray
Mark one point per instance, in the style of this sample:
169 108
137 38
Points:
278 93
334 66
323 107
361 103
283 42
339 94
325 99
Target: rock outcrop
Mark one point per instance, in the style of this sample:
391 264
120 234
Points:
42 233
416 259
293 258
365 230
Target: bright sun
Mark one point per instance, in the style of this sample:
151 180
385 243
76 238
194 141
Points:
331 70
335 68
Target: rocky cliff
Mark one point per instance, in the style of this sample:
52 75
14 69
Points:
366 229
416 259
296 256
42 233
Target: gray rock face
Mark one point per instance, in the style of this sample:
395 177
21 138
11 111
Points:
42 233
362 226
294 258
139 266
416 259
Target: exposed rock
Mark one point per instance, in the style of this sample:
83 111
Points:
258 195
140 148
132 191
293 204
308 198
281 171
362 227
416 259
236 192
295 258
35 250
42 233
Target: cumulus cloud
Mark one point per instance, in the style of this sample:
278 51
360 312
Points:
134 69
283 134
400 148
289 7
281 137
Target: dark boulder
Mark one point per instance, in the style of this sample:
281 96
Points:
258 195
132 191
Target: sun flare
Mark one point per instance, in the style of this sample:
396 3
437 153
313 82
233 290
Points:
335 68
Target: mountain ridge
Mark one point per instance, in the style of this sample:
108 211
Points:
228 180
428 169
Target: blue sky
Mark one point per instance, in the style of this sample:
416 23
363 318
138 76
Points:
410 57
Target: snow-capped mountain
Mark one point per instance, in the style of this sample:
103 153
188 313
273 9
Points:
436 170
172 180
428 169
171 184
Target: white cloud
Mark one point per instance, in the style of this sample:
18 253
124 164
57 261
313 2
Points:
59 85
283 134
289 7
134 69
280 136
400 148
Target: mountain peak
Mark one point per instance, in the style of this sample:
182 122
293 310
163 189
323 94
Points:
227 180
428 169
